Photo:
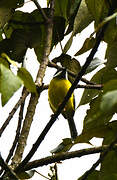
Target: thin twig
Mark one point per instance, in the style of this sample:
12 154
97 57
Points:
17 131
22 98
41 10
97 87
66 155
42 175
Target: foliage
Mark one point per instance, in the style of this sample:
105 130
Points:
20 31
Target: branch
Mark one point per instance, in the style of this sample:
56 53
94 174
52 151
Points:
66 155
41 10
97 87
22 98
34 98
17 131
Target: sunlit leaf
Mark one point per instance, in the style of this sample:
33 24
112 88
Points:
27 79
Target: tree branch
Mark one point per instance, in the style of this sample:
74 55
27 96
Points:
41 10
17 131
66 155
22 98
34 98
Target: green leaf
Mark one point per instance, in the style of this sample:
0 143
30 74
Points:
82 19
26 174
9 83
95 117
111 55
73 7
69 63
88 44
61 8
68 44
101 77
109 102
98 9
108 166
5 16
63 147
27 79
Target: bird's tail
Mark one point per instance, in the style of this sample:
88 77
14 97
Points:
72 128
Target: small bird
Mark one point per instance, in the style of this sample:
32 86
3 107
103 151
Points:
58 89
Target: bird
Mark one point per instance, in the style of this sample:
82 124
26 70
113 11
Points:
57 90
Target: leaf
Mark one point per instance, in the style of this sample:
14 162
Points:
69 63
98 9
9 83
63 147
5 16
61 8
108 166
111 55
68 44
94 64
109 102
83 18
101 77
27 79
88 44
26 174
95 117
73 7
58 29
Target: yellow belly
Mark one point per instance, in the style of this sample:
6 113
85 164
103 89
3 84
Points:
56 93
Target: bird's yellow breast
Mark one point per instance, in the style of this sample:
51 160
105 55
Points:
58 89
